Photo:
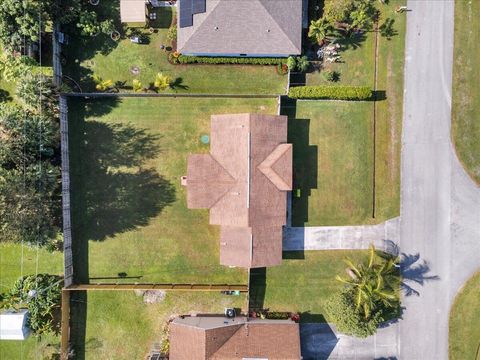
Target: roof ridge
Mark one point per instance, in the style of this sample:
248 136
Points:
234 181
240 326
267 165
276 22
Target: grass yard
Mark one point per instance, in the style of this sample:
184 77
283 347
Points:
464 326
102 56
129 214
391 45
466 92
10 271
118 325
303 282
333 162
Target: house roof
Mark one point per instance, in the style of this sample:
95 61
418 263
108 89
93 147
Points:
199 338
132 11
264 27
243 181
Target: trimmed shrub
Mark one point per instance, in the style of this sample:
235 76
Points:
184 59
341 310
292 63
331 75
331 92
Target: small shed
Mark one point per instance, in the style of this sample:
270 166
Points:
133 11
13 325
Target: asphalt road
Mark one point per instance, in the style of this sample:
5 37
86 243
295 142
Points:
440 205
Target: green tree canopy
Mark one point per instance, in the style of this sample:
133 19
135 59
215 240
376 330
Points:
41 295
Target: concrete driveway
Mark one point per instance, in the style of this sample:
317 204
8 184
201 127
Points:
440 205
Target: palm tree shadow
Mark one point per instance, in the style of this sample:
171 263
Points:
414 271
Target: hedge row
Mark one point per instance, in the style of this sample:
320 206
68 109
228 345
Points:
185 59
331 92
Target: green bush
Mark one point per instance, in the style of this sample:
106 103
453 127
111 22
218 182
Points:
172 33
331 75
331 92
292 63
41 295
340 309
184 59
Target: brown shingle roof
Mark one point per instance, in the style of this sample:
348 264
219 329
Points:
208 338
254 27
244 182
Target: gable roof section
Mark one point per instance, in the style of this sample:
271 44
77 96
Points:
264 27
200 338
244 182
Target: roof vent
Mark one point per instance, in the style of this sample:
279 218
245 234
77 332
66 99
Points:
268 30
216 28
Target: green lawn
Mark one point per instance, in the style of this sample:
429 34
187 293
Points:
389 112
466 92
303 282
464 327
129 210
333 162
120 326
110 60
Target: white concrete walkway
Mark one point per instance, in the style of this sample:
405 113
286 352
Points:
384 236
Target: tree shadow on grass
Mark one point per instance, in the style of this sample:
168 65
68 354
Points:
113 189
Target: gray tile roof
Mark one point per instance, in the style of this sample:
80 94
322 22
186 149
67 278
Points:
262 27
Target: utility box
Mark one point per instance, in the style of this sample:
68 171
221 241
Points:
14 325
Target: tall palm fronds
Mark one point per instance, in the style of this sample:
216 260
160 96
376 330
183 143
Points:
374 283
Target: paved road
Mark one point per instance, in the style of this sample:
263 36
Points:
440 205
384 236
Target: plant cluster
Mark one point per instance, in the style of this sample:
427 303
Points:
90 25
29 171
184 59
300 63
41 295
162 82
342 16
331 75
172 33
370 296
333 92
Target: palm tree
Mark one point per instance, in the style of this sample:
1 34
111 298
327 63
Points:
374 283
319 29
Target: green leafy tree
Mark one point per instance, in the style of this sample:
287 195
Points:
162 82
319 29
336 11
137 85
303 64
38 94
12 67
340 310
374 284
292 63
361 17
41 295
88 23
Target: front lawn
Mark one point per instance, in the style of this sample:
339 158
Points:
466 92
333 163
129 214
119 325
464 327
303 282
118 61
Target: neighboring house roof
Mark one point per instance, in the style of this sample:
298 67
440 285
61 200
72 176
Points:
215 338
244 27
243 181
132 11
13 325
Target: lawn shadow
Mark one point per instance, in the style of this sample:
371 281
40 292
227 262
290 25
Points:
5 96
413 272
258 285
305 162
352 41
178 84
387 30
293 255
78 324
113 190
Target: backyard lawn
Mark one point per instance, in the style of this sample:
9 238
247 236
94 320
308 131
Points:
303 282
129 214
464 327
116 61
119 325
466 92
